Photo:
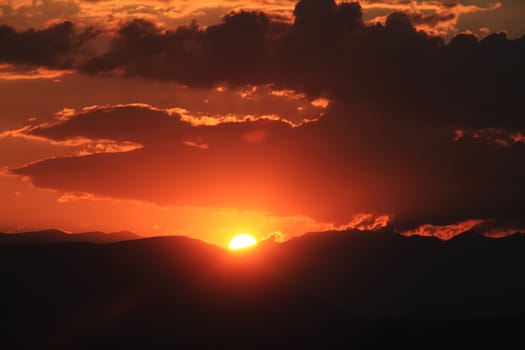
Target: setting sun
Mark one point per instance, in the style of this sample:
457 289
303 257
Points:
242 241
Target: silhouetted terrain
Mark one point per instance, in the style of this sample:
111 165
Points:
363 289
57 236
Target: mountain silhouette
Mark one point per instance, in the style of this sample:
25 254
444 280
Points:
57 236
360 289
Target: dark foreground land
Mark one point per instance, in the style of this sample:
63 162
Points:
360 289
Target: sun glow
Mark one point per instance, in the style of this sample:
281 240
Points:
242 241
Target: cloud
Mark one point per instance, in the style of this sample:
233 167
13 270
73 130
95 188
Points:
53 47
347 59
487 227
367 222
9 72
24 14
73 196
233 48
434 17
444 232
467 80
30 14
502 137
331 169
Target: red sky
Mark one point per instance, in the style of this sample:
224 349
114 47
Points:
276 120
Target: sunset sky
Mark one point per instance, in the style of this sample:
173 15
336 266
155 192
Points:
270 117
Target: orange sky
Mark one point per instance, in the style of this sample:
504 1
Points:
97 137
27 207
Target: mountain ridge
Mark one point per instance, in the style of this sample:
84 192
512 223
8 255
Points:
51 236
350 287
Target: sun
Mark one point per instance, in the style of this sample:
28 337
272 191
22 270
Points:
242 241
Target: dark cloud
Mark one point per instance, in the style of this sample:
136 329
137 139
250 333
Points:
329 170
328 50
52 47
120 124
234 51
432 19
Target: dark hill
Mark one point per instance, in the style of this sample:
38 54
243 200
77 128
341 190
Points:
57 236
363 289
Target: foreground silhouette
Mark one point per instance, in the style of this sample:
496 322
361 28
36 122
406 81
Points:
363 289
